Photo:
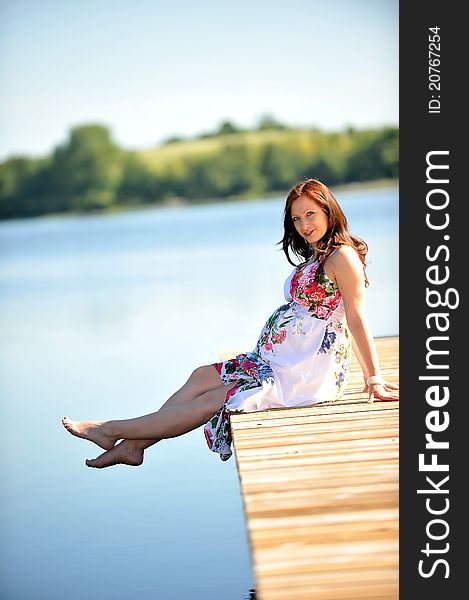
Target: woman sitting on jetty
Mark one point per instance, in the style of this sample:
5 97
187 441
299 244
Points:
303 353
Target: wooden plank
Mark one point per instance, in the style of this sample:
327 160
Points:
247 420
286 440
346 420
320 491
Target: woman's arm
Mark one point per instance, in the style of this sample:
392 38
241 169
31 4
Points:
356 351
347 270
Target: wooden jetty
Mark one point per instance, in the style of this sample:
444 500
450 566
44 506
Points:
320 492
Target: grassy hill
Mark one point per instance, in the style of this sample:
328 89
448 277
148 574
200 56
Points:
90 172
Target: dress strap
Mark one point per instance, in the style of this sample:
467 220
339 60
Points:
310 260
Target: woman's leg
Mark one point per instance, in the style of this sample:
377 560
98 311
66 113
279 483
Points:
126 452
202 380
169 421
165 423
130 452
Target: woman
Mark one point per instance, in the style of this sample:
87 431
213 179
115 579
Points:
301 358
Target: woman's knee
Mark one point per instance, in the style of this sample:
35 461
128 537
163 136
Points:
205 378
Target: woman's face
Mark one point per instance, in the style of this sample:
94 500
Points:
309 219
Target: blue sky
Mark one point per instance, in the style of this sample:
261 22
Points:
152 69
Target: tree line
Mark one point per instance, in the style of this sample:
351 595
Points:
90 172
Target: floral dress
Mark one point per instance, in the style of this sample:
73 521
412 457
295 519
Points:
302 356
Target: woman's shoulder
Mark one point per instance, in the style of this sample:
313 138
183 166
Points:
344 253
344 257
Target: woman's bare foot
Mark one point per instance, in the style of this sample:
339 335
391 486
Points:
126 452
90 430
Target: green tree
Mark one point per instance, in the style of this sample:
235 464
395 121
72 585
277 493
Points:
87 170
138 183
375 156
227 128
328 166
280 166
22 185
231 172
268 122
13 175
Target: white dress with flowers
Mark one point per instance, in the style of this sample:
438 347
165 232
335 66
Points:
302 356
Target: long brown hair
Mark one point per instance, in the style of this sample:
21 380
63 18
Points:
337 234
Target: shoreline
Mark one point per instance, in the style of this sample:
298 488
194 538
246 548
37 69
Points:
178 202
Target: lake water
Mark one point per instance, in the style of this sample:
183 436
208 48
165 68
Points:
104 317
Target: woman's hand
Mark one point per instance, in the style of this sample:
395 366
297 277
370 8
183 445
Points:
382 391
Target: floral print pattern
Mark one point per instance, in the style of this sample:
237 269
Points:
303 354
249 372
333 343
320 295
274 331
